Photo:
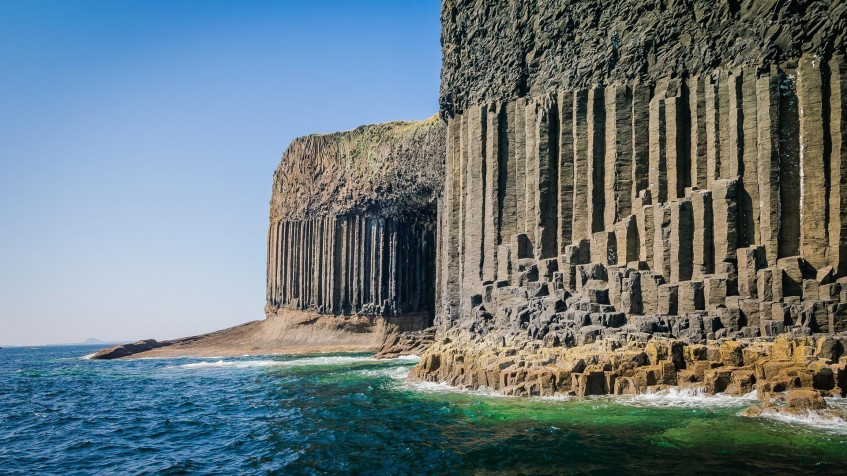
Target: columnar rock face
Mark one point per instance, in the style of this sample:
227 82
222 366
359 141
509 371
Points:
757 188
353 222
625 171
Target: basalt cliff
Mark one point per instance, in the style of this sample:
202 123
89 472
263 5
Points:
642 194
353 227
351 249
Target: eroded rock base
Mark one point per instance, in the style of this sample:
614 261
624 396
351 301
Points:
806 367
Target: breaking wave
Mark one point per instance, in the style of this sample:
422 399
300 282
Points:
695 397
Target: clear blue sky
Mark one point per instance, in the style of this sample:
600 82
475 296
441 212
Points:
138 141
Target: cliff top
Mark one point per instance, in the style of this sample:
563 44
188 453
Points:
394 169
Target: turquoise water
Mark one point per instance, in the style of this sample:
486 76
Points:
350 414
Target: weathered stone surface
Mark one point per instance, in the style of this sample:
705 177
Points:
543 45
803 367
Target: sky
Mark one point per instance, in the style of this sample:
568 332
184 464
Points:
138 141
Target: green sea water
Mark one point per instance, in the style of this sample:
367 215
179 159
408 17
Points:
351 414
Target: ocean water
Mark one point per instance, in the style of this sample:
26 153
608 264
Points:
350 414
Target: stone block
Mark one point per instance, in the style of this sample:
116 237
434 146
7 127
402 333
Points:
691 297
781 312
703 247
825 275
731 319
838 318
681 241
668 299
771 328
547 267
521 246
628 246
810 289
725 210
729 270
578 253
614 319
650 291
750 311
604 248
616 275
814 315
662 240
764 284
714 290
596 291
568 277
504 262
750 261
794 270
588 272
829 292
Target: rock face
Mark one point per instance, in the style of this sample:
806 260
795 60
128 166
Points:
500 50
622 172
353 222
808 367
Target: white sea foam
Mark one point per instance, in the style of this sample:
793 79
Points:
442 387
396 373
670 398
818 422
242 364
88 356
337 360
695 397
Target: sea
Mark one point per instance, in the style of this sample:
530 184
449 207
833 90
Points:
62 413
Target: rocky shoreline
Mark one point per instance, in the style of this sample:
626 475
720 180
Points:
788 373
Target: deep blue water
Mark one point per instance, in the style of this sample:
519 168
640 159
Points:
350 414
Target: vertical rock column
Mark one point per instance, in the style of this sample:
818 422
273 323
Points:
789 167
566 170
681 240
658 172
813 176
703 247
581 171
750 210
508 205
677 137
767 126
493 193
697 109
640 139
619 154
838 165
450 223
517 149
596 158
713 131
546 154
475 198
